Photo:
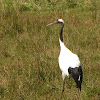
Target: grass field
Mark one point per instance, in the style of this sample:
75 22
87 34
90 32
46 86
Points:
29 49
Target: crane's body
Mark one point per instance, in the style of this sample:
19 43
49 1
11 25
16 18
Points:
69 62
67 59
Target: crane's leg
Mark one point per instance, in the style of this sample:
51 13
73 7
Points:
79 94
63 76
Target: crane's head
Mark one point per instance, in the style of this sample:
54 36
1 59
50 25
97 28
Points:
59 21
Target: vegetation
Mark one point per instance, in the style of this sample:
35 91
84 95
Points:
29 49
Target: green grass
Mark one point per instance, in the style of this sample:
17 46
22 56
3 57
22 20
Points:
29 49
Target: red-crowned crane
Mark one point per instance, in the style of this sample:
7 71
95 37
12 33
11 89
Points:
69 62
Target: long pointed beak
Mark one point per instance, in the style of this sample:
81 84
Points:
52 23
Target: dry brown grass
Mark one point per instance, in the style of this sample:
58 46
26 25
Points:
29 50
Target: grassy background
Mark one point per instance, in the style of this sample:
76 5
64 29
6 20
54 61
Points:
29 50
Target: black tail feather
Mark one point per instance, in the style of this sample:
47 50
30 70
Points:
77 75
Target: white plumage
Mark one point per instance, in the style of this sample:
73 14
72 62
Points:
69 62
67 59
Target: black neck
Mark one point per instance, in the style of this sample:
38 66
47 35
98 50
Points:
61 31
